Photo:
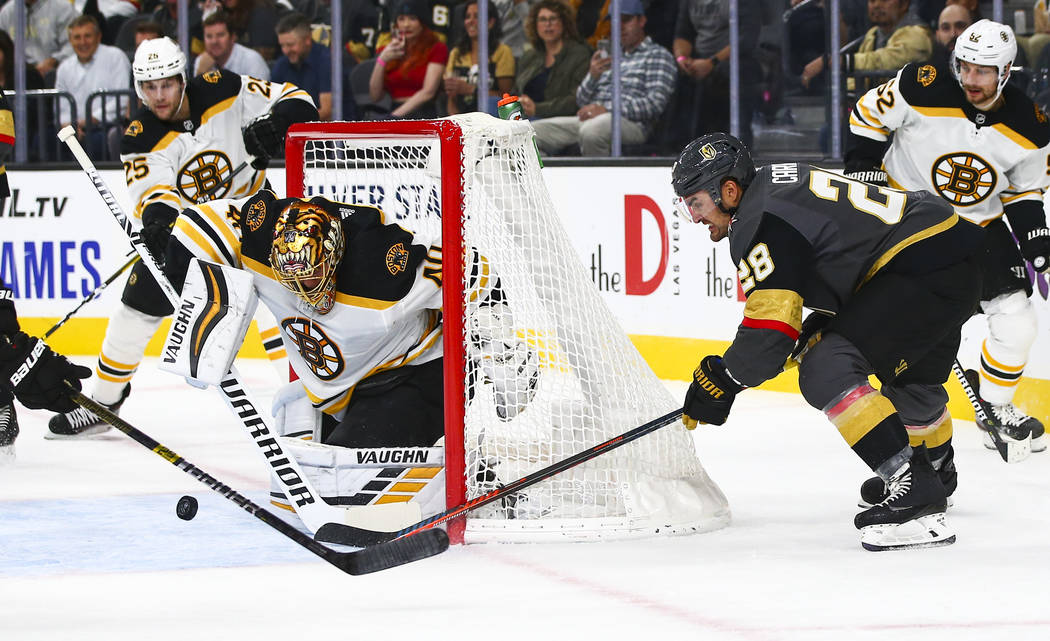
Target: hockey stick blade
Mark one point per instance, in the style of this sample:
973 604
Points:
357 537
970 387
375 559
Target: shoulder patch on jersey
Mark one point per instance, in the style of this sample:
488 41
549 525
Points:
205 94
396 259
255 215
1022 116
212 76
143 134
926 75
1040 115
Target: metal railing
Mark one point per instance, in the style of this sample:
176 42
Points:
117 103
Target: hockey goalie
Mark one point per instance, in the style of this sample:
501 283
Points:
359 305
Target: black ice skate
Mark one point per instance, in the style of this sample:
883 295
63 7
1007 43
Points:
1021 433
912 515
873 491
81 422
8 432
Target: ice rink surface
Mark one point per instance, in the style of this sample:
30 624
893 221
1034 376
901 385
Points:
90 548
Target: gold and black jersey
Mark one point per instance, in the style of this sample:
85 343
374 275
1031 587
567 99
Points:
807 237
185 162
976 160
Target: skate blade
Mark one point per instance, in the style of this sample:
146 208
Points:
924 532
88 432
1016 450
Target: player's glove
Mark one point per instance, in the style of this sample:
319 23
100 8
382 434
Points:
264 138
157 222
37 374
1035 247
8 317
808 336
710 395
875 176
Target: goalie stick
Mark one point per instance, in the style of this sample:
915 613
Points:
365 561
982 417
358 537
308 504
94 293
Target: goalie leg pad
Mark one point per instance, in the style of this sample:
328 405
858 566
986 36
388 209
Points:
211 318
397 486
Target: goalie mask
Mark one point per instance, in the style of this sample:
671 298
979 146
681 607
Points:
705 163
306 251
988 44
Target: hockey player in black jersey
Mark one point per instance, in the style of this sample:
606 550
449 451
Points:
891 277
962 133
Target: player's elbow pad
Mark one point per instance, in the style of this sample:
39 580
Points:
294 110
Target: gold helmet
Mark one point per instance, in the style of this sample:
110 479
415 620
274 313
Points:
307 248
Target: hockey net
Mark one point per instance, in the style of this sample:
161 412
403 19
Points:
527 388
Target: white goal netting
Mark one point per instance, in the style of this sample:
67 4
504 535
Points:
548 371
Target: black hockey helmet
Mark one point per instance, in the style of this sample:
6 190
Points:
706 161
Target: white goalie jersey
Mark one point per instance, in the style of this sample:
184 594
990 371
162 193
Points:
388 291
978 161
187 162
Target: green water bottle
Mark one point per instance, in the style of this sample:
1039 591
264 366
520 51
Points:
509 108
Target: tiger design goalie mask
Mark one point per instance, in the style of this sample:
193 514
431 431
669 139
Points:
306 251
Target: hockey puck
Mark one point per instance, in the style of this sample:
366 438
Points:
187 508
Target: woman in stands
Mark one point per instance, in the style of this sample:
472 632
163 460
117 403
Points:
461 74
550 72
410 66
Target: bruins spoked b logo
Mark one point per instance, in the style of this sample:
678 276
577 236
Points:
963 178
199 179
320 354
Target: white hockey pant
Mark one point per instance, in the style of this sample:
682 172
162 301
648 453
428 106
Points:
1012 328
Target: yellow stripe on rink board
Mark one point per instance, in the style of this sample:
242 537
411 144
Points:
671 358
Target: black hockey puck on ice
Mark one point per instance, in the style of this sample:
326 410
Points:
187 508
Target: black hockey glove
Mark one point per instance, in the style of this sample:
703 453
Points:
157 222
808 336
875 177
264 138
8 317
1035 247
37 374
710 395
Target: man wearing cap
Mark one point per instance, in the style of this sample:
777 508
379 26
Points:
647 73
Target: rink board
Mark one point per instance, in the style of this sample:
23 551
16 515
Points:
674 291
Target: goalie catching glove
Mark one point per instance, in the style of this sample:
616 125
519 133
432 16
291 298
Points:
38 375
710 395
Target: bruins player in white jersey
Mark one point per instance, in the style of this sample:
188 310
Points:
963 133
182 147
860 254
358 301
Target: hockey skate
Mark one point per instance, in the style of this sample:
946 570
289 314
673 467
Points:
873 491
82 422
912 515
1021 433
8 432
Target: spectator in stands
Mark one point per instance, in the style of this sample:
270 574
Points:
254 22
93 66
304 64
7 72
512 17
46 41
363 22
592 20
701 50
147 30
461 73
114 14
222 51
953 20
896 39
410 67
167 16
549 73
647 73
